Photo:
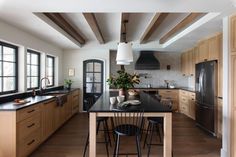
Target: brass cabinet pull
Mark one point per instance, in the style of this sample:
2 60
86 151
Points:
31 111
29 126
30 142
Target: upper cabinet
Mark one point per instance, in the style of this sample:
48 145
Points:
203 47
188 63
233 34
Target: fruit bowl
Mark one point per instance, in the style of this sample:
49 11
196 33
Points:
132 92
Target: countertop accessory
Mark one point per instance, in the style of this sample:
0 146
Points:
112 100
120 98
20 101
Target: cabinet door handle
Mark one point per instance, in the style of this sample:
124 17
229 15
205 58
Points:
31 142
31 111
29 126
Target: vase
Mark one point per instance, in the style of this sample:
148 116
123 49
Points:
68 86
121 92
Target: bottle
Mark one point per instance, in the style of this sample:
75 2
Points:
33 93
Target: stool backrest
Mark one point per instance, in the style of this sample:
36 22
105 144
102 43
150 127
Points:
167 102
128 118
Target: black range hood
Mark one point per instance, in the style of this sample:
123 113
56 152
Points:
147 61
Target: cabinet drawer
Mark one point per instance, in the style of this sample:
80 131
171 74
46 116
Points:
27 112
183 93
168 94
27 145
28 126
184 108
192 96
184 100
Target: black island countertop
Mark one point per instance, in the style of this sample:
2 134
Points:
148 103
159 88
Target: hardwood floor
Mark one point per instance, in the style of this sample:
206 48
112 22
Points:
188 141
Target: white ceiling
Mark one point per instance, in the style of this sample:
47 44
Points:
20 14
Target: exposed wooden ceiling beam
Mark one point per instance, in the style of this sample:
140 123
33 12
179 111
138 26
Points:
192 17
156 21
91 19
124 18
59 20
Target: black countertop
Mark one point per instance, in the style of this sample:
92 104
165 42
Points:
13 106
156 88
148 104
62 91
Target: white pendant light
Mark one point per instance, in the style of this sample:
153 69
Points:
124 53
122 63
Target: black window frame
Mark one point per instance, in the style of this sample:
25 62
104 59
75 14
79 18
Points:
53 70
39 70
3 44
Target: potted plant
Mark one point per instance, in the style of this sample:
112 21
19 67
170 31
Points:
68 83
123 81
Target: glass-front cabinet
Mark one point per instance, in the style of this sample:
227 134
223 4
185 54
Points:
92 82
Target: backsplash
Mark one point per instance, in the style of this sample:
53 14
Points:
155 77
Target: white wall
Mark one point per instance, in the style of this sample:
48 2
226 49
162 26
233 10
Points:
25 40
74 59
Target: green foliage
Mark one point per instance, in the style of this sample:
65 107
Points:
124 80
68 81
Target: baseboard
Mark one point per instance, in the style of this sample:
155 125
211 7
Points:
223 153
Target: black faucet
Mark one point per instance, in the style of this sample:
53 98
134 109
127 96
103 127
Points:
41 85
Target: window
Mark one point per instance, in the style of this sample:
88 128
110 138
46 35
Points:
33 69
50 70
8 68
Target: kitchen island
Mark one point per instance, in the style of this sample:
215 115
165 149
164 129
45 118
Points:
151 108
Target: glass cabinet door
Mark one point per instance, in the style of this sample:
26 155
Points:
92 81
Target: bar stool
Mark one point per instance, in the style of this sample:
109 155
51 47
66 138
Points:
103 120
127 124
156 123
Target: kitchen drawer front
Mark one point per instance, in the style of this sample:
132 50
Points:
169 94
184 100
183 93
27 145
192 96
27 112
29 125
184 108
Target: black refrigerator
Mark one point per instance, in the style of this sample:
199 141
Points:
205 86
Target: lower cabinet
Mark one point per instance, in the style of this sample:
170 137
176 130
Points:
48 120
172 94
219 117
187 103
25 129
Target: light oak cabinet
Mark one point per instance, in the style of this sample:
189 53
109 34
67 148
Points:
232 84
25 129
48 121
188 63
203 51
219 117
187 103
233 34
171 94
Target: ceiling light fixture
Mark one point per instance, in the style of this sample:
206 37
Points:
124 51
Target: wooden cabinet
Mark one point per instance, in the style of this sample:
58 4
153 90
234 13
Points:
215 47
203 51
75 101
233 34
187 103
188 63
219 117
28 130
48 127
192 100
195 56
171 94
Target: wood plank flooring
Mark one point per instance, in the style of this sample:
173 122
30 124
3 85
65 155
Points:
188 141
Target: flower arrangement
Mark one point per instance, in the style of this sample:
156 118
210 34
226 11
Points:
124 80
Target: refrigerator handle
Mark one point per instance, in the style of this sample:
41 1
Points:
201 80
